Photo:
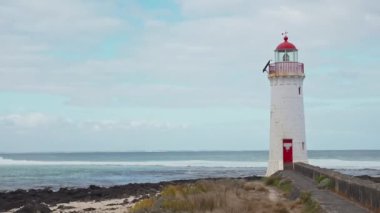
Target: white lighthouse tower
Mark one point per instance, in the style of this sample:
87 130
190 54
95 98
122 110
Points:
287 120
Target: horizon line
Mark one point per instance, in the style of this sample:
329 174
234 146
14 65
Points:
157 151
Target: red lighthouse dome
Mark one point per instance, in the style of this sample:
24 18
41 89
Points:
286 46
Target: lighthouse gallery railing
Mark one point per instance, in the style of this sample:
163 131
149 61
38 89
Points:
286 68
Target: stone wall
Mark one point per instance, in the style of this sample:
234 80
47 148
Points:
365 192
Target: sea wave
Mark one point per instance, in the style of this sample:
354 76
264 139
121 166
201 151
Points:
345 164
326 163
187 163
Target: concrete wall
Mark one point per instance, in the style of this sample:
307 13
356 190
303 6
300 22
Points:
365 192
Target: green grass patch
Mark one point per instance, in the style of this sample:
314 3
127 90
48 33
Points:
282 184
310 205
324 182
320 178
285 185
272 180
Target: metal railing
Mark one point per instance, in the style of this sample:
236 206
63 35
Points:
286 68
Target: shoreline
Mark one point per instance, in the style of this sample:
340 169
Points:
18 198
104 198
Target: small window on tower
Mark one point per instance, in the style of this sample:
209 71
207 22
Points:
303 145
299 90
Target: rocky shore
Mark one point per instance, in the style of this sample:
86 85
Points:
370 178
44 199
93 198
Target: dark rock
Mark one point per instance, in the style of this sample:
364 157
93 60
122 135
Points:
89 209
93 187
18 191
63 190
144 197
370 178
114 204
125 202
62 207
34 208
135 200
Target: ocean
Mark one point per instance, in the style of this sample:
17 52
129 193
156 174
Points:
55 170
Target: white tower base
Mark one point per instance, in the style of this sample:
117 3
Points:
287 122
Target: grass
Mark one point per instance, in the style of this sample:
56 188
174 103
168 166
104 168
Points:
144 205
219 196
320 178
282 184
310 206
324 182
272 180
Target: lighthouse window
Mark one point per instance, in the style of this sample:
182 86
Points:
299 90
285 57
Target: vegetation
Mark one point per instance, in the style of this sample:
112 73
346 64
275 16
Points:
324 182
144 205
272 180
320 178
282 184
310 205
229 195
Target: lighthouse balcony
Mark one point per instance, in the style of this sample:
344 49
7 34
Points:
286 69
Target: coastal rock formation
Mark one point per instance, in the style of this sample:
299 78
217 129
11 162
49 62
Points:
34 207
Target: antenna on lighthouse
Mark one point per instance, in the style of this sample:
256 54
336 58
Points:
266 66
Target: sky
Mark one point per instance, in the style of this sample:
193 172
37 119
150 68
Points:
148 75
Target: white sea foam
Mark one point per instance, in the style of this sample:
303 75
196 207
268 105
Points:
345 164
187 163
326 163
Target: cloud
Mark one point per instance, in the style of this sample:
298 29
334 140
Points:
110 125
205 54
33 33
201 8
211 57
41 120
56 19
28 120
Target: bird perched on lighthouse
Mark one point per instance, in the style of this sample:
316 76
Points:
287 120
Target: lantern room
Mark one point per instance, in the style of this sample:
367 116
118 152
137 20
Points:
286 52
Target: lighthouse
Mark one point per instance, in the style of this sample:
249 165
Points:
287 120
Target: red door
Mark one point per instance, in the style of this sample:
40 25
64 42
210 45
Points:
287 147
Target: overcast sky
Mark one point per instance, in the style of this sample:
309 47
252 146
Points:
182 74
